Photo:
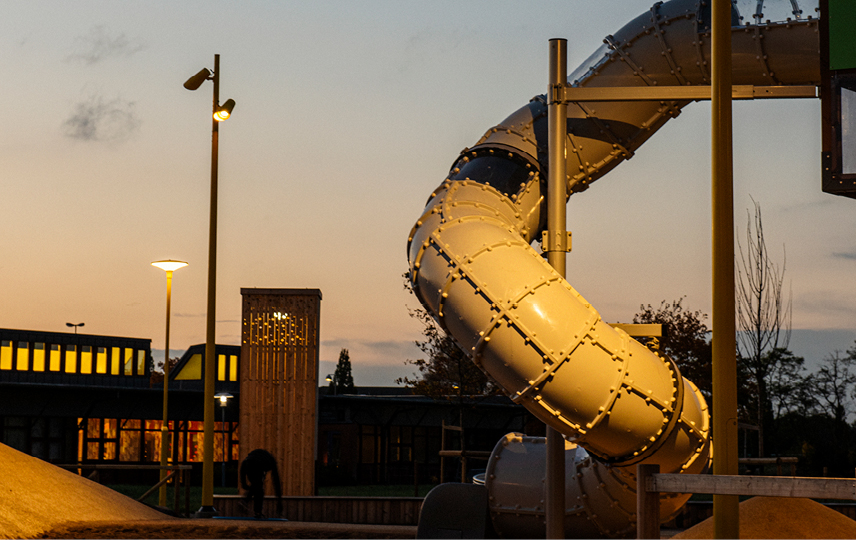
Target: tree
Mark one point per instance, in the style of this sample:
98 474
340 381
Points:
763 323
685 341
446 370
343 380
156 373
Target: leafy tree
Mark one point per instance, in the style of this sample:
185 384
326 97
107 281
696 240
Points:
342 378
763 324
446 370
156 373
685 341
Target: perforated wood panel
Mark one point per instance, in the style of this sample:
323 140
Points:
279 381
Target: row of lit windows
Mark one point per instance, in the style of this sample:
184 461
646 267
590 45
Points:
113 439
227 368
84 359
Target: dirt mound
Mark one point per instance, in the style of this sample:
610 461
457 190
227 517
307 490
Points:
36 496
781 517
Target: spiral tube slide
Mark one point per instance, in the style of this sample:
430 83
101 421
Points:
473 268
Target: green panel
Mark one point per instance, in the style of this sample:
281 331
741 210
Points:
842 34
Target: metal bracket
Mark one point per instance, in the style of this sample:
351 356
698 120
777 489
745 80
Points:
559 242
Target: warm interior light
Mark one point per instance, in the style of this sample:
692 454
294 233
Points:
196 81
169 265
225 110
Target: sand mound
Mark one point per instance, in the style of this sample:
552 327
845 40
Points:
36 496
781 517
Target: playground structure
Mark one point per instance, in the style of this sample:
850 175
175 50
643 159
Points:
618 403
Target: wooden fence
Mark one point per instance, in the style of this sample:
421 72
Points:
651 483
362 510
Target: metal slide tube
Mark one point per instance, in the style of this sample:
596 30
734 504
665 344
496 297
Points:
472 266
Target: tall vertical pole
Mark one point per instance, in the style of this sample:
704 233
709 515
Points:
210 346
726 517
556 247
165 442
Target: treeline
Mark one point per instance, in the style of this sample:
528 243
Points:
801 413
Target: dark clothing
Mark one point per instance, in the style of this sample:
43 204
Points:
254 468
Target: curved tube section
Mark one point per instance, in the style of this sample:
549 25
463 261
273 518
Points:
473 267
600 499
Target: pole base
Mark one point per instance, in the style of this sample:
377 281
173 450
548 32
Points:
205 512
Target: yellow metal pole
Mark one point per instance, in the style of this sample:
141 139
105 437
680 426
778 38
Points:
556 247
726 516
207 508
165 442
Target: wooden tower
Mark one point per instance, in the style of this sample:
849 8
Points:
279 381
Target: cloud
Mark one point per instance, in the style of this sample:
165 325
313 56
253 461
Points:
843 255
97 119
98 45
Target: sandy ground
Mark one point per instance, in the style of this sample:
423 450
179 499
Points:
36 496
39 500
782 517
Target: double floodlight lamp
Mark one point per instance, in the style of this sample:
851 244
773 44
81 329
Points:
222 112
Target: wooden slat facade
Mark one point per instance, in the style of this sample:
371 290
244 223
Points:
279 381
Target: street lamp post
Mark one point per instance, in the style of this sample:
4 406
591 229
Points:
224 398
220 113
75 326
169 266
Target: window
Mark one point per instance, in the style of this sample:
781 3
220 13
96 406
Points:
86 359
38 357
129 441
221 367
101 439
129 362
233 368
55 358
5 355
70 359
141 362
23 357
115 360
101 360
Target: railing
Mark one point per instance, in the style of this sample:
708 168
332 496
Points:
176 472
651 483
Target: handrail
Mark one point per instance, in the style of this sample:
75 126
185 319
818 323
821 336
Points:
174 470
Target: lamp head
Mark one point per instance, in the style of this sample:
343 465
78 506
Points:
225 110
196 81
329 378
169 265
224 397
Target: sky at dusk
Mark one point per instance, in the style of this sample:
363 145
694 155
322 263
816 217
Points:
348 115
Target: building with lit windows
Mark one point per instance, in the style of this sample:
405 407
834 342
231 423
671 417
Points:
79 398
